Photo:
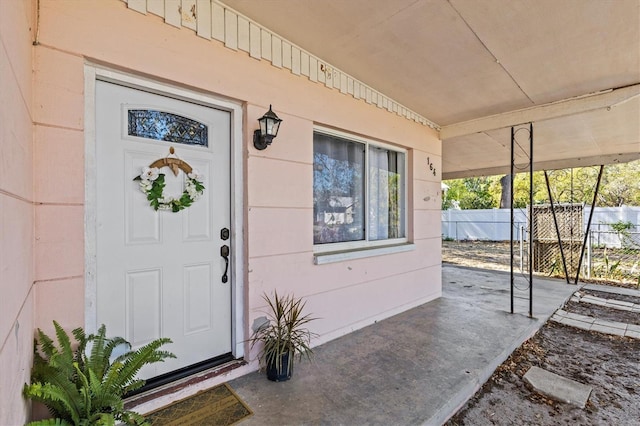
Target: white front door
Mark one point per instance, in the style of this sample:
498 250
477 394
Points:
160 273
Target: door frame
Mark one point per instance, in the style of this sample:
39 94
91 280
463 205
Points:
92 73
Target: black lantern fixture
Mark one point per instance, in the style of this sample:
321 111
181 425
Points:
269 124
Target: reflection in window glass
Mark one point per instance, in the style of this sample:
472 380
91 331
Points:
338 190
386 189
164 126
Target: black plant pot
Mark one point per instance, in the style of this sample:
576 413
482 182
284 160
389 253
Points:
282 375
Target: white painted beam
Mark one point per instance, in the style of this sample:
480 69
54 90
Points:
544 165
607 99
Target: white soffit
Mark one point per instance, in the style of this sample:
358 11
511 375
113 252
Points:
453 62
602 136
458 60
492 62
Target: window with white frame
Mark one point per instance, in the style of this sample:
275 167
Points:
358 192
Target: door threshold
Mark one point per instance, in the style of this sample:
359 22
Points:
182 383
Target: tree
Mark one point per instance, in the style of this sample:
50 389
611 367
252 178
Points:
620 185
505 186
471 193
521 190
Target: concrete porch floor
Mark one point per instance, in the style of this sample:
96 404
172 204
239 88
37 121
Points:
415 368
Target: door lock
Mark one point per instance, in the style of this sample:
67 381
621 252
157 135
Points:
224 234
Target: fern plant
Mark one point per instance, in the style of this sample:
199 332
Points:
83 386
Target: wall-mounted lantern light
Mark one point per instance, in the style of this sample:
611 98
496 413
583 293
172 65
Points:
269 124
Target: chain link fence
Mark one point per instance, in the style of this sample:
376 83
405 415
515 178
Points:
612 251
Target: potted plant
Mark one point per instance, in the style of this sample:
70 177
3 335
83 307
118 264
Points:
83 386
284 336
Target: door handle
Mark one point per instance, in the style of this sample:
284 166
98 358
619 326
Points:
224 252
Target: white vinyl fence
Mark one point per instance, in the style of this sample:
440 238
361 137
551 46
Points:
493 224
613 246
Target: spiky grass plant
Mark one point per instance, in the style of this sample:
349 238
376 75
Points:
83 386
286 332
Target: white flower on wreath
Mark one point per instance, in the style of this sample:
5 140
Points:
145 185
195 174
150 173
192 192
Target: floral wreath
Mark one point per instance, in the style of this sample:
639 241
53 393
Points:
152 183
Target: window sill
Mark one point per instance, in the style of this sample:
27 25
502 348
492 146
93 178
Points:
339 256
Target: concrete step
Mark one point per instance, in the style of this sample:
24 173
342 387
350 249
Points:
558 387
588 323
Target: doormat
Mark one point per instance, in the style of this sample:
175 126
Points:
219 406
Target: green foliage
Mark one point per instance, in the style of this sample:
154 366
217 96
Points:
156 192
622 227
608 268
82 386
185 200
157 200
521 190
480 195
472 193
619 186
285 333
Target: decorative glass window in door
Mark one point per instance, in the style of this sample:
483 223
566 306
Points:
165 126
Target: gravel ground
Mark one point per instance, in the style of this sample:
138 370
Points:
610 364
496 255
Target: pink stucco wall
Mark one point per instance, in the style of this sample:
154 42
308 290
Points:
278 229
16 207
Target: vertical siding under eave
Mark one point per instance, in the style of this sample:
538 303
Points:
188 14
295 60
305 62
255 42
286 55
156 7
217 22
230 30
213 20
172 15
138 5
243 34
203 19
265 42
276 51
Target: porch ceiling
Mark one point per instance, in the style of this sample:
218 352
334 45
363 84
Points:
478 67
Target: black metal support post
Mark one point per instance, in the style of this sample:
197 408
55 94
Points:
512 215
530 230
530 219
586 233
